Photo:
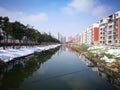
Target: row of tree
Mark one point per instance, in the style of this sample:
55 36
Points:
26 35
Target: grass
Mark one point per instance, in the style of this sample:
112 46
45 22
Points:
108 55
117 58
82 47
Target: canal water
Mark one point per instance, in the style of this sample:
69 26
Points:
58 69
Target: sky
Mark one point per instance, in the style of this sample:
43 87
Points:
68 17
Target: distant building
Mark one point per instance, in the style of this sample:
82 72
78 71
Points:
70 39
77 39
63 39
89 35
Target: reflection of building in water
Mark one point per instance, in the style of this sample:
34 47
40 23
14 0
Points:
102 72
94 69
85 60
88 63
71 50
62 49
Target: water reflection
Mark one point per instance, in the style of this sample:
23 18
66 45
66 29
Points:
111 77
62 49
16 72
54 70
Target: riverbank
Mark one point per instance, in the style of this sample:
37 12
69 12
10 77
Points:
107 57
11 54
44 70
110 65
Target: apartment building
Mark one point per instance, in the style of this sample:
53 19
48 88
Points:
110 29
89 35
84 37
117 27
105 32
95 34
77 39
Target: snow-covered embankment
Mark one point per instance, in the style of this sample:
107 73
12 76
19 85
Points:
9 54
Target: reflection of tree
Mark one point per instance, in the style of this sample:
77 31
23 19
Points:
13 78
46 56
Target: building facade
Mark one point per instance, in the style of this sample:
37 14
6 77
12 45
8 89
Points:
105 32
95 34
110 29
102 31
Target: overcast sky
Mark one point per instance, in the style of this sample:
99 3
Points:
69 17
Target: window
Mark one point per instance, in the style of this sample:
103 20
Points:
101 21
109 37
109 41
116 14
110 26
110 32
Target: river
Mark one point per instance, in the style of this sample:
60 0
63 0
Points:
58 69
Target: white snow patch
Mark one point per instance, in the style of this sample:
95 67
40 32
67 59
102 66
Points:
106 59
9 54
115 52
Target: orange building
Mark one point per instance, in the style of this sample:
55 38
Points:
118 31
95 31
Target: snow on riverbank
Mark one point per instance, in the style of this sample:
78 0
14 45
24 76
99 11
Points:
9 54
96 47
115 51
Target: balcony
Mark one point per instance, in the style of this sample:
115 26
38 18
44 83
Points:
110 20
109 32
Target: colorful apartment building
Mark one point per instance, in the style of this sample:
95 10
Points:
105 32
102 31
117 28
77 39
89 35
110 29
84 37
95 34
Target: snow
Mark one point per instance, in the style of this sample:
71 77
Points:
106 59
95 47
10 54
115 52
